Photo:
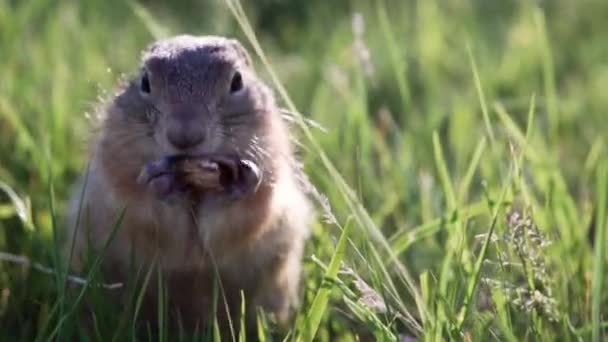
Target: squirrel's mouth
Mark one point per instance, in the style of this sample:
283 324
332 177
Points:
217 174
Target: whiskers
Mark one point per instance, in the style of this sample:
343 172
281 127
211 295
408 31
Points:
254 148
129 138
237 119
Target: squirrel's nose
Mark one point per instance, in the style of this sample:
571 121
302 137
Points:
185 139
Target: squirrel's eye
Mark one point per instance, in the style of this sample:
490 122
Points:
237 82
145 83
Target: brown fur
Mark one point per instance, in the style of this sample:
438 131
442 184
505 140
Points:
255 243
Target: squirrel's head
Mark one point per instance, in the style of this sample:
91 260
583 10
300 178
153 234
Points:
192 95
197 95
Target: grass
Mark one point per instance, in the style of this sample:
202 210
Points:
441 120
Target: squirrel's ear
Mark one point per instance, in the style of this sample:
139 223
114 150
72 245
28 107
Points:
242 52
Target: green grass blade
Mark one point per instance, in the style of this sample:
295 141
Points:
515 132
502 309
398 62
78 217
468 176
548 75
161 300
20 205
262 326
141 295
474 278
242 324
402 240
60 273
444 176
92 272
600 250
321 299
480 95
157 30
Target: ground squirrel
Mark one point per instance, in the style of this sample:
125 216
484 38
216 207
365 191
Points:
197 97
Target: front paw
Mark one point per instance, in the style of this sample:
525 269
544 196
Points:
217 176
159 178
246 181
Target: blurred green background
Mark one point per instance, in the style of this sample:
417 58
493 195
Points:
431 109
